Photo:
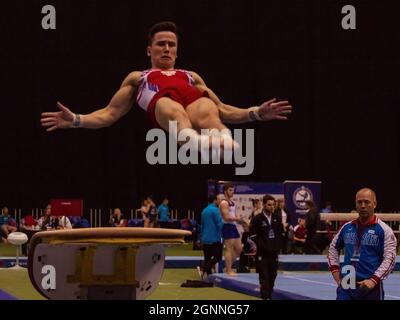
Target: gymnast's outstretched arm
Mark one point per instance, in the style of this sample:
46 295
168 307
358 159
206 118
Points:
269 110
119 105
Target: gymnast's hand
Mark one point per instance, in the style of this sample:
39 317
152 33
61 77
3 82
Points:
57 120
272 110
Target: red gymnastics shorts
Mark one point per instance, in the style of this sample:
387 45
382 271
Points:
184 96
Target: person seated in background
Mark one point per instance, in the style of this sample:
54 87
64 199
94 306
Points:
45 222
28 223
7 225
62 223
300 236
117 219
49 222
163 213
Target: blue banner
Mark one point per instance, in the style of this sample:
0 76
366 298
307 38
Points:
256 188
297 193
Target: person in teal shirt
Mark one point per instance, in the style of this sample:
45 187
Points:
211 234
163 212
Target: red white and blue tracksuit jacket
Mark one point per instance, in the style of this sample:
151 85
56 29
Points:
370 248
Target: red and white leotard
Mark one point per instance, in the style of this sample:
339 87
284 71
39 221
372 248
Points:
175 84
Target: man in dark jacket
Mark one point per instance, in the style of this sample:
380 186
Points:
266 230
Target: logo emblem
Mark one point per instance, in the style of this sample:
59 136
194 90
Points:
300 196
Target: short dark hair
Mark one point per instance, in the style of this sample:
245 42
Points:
162 26
267 198
227 186
212 198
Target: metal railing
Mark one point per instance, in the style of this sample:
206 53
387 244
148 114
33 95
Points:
97 217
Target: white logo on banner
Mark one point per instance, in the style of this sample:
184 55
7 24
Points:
300 196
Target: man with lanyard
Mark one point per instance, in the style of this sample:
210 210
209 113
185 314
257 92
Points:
370 247
266 231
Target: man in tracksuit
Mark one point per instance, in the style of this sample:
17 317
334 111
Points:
266 230
369 246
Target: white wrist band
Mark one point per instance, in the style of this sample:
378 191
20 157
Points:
253 114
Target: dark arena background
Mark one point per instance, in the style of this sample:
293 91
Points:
343 85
